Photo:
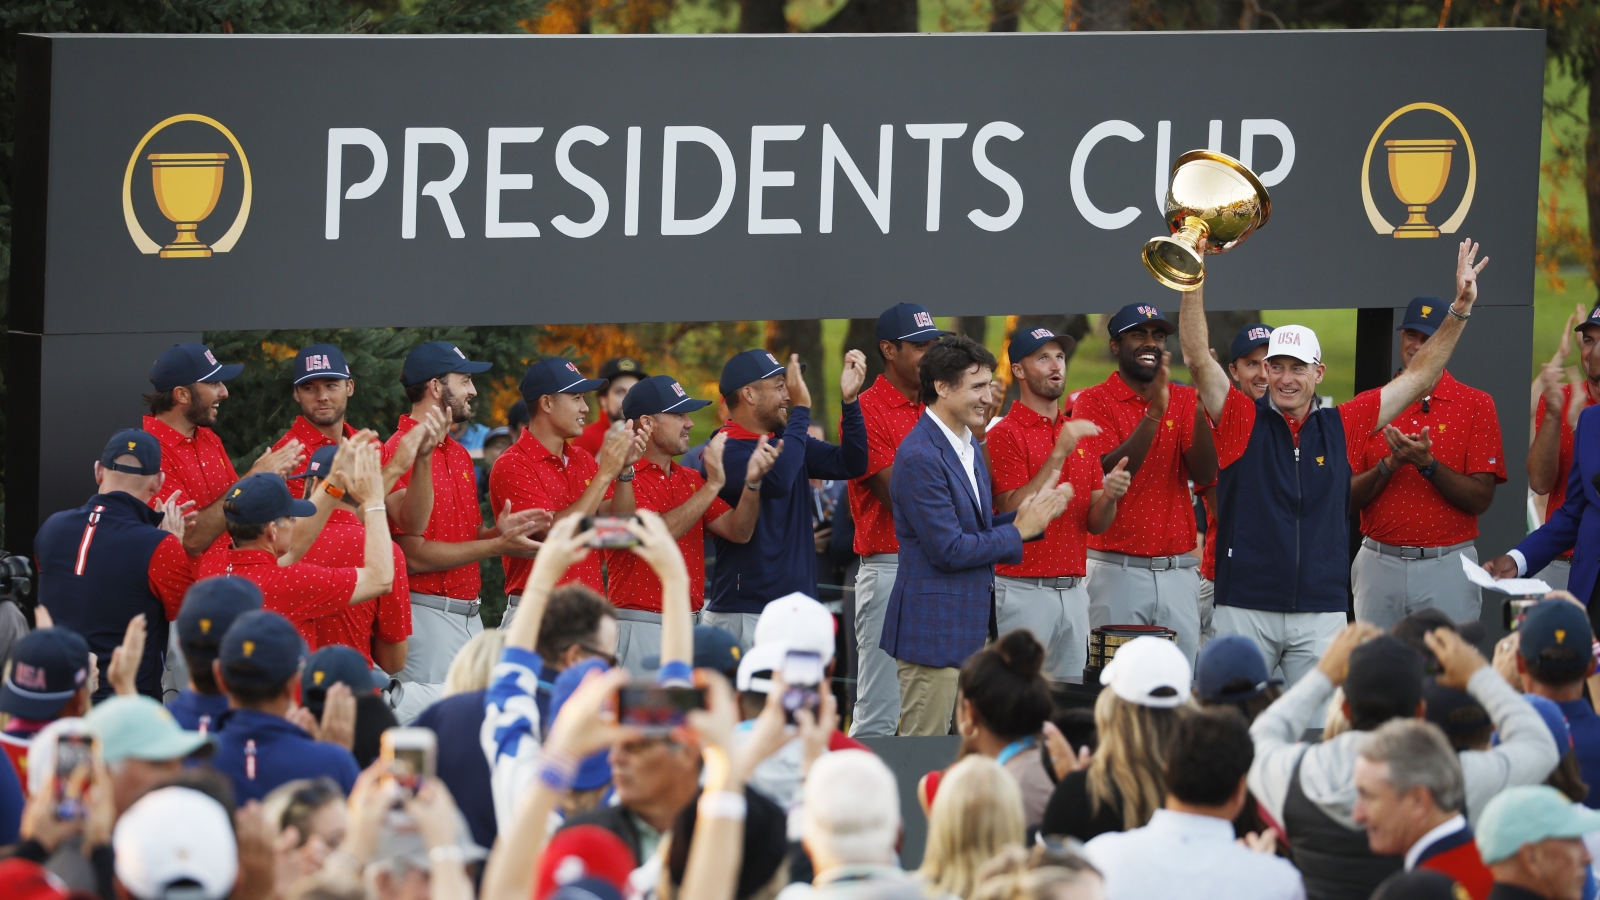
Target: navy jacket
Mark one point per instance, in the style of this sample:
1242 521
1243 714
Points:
950 540
781 557
1576 525
281 751
456 720
198 712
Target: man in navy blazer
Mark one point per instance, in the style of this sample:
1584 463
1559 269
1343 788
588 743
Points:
942 603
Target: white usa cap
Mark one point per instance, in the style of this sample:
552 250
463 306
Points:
800 622
1297 341
176 834
1149 671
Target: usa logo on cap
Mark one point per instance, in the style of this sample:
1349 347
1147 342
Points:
458 352
678 389
572 368
1150 312
1257 333
210 359
921 318
773 359
1041 333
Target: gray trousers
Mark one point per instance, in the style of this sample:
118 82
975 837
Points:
1555 574
1057 616
1208 610
436 637
1130 595
637 638
877 710
175 676
741 625
1291 642
1388 588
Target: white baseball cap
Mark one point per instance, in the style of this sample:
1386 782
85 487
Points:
1297 341
799 622
175 834
766 657
1149 671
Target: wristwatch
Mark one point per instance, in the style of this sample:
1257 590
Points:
626 476
333 490
1428 471
1383 468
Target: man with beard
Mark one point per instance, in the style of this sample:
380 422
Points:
780 557
688 504
1036 446
443 548
1139 570
543 472
620 374
1550 457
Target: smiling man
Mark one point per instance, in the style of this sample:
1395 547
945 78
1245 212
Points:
1550 457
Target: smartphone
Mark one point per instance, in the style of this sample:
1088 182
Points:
802 679
610 532
1515 611
656 710
410 755
75 749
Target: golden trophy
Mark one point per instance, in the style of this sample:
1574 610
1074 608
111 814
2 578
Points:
1215 198
187 186
1418 171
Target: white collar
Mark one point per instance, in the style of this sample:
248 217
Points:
1211 827
962 442
1449 826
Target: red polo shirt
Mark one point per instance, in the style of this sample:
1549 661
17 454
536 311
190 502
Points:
1558 494
341 544
171 574
198 466
1018 446
1232 432
594 434
532 477
1208 556
310 439
889 417
1465 431
456 517
1156 516
632 583
301 593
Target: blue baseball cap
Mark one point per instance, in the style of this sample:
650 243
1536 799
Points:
905 322
320 361
749 366
594 771
1230 669
48 667
436 358
1528 814
210 608
1593 320
659 394
1135 314
1424 314
261 649
319 464
141 445
336 664
1025 343
1555 721
714 648
1249 338
1555 635
264 497
189 363
556 376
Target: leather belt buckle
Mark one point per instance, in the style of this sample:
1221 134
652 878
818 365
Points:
1412 553
1163 563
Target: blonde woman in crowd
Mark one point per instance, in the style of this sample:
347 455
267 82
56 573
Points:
976 814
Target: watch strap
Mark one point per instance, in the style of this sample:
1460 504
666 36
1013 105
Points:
333 490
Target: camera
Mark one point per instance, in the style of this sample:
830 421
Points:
610 532
656 710
16 578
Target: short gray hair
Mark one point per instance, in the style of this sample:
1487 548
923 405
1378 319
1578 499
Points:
1419 755
852 807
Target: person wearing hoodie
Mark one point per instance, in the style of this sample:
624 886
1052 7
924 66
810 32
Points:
1309 789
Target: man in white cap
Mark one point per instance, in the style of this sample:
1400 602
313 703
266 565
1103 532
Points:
175 838
1283 491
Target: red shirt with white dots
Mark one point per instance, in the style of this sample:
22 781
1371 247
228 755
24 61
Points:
1465 430
1208 555
301 593
198 466
631 583
456 517
532 477
1156 516
1018 446
1232 432
311 440
1558 493
889 417
342 543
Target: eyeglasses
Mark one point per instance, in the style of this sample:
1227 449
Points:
609 659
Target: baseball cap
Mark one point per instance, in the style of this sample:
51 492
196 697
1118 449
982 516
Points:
714 648
1455 712
208 611
188 363
48 667
437 358
172 835
138 727
582 853
905 322
1528 814
659 394
264 497
556 376
1024 343
1297 341
800 623
333 664
1555 721
141 445
1424 314
1555 635
261 649
1137 314
21 879
751 365
1385 680
757 665
1248 338
1593 320
319 361
1230 669
594 771
1149 671
622 365
320 463
1420 884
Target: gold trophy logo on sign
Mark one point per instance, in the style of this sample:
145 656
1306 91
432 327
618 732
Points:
187 187
1211 197
1419 172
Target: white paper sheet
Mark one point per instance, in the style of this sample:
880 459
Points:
1517 587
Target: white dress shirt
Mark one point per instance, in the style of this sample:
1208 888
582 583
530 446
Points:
1448 827
1189 856
962 444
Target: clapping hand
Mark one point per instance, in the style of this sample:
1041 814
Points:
852 376
123 670
1415 449
516 530
176 517
762 459
284 461
795 380
1038 511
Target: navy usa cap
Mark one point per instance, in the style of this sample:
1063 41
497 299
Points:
906 322
189 363
1135 314
436 358
209 608
1555 635
260 649
749 366
1249 338
556 376
335 664
1424 314
1025 343
320 361
1593 320
141 445
321 461
264 497
48 666
659 394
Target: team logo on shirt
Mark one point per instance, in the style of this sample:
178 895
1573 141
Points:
1320 459
190 173
1421 153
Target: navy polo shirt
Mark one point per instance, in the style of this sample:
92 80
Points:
462 765
194 710
1585 728
259 751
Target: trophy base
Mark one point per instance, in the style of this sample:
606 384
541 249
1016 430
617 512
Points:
1416 231
1174 263
185 251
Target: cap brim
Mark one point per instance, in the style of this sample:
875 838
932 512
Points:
1421 327
175 744
302 509
42 707
584 386
471 368
918 336
1587 323
225 373
316 375
1170 327
682 407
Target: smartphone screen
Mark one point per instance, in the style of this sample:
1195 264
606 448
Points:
655 710
802 677
73 752
410 754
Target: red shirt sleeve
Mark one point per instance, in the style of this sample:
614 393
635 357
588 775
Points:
171 574
1485 450
1188 409
718 508
1008 460
1232 433
511 479
880 447
1360 417
304 591
1090 406
394 608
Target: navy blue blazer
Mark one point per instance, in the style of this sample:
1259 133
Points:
1576 525
950 540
